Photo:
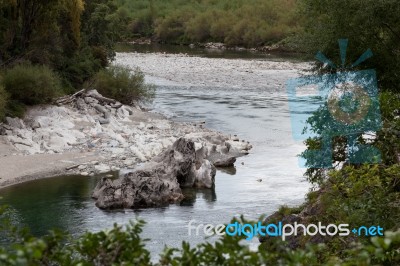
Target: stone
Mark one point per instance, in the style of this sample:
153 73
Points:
90 100
158 182
80 104
129 162
102 168
113 143
222 161
15 122
32 123
204 176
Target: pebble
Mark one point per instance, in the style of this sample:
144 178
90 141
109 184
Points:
129 162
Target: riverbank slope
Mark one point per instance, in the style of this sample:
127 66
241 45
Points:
89 136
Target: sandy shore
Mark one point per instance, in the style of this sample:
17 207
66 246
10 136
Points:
21 168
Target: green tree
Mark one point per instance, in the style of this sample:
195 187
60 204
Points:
367 24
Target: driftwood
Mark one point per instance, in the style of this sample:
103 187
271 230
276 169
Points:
96 100
91 93
69 98
101 98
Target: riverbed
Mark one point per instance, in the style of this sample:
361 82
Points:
239 95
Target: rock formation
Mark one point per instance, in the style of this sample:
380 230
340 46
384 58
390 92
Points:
122 137
158 182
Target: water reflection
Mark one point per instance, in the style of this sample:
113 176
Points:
228 170
192 194
49 203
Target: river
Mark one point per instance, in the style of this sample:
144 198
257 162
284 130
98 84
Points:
238 93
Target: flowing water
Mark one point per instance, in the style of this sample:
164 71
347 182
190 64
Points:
259 115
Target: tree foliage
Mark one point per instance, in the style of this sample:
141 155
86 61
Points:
123 84
32 85
124 246
73 38
234 22
367 24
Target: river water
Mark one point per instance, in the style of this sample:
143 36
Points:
258 114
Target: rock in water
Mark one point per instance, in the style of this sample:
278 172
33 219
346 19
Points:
221 160
158 182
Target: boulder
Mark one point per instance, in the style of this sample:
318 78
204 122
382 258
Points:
15 123
102 168
158 182
221 160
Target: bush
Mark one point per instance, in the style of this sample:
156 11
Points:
124 246
123 85
32 84
3 102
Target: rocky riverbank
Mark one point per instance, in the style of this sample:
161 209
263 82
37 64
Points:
89 134
277 48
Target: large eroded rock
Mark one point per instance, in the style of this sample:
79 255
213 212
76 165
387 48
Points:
158 182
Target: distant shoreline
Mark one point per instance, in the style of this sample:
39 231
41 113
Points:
268 49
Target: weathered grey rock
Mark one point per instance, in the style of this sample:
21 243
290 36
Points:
80 104
225 161
203 174
225 157
32 123
158 182
105 112
35 124
15 122
102 168
90 100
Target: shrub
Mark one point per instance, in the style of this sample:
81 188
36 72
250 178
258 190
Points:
123 85
3 102
32 84
120 246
